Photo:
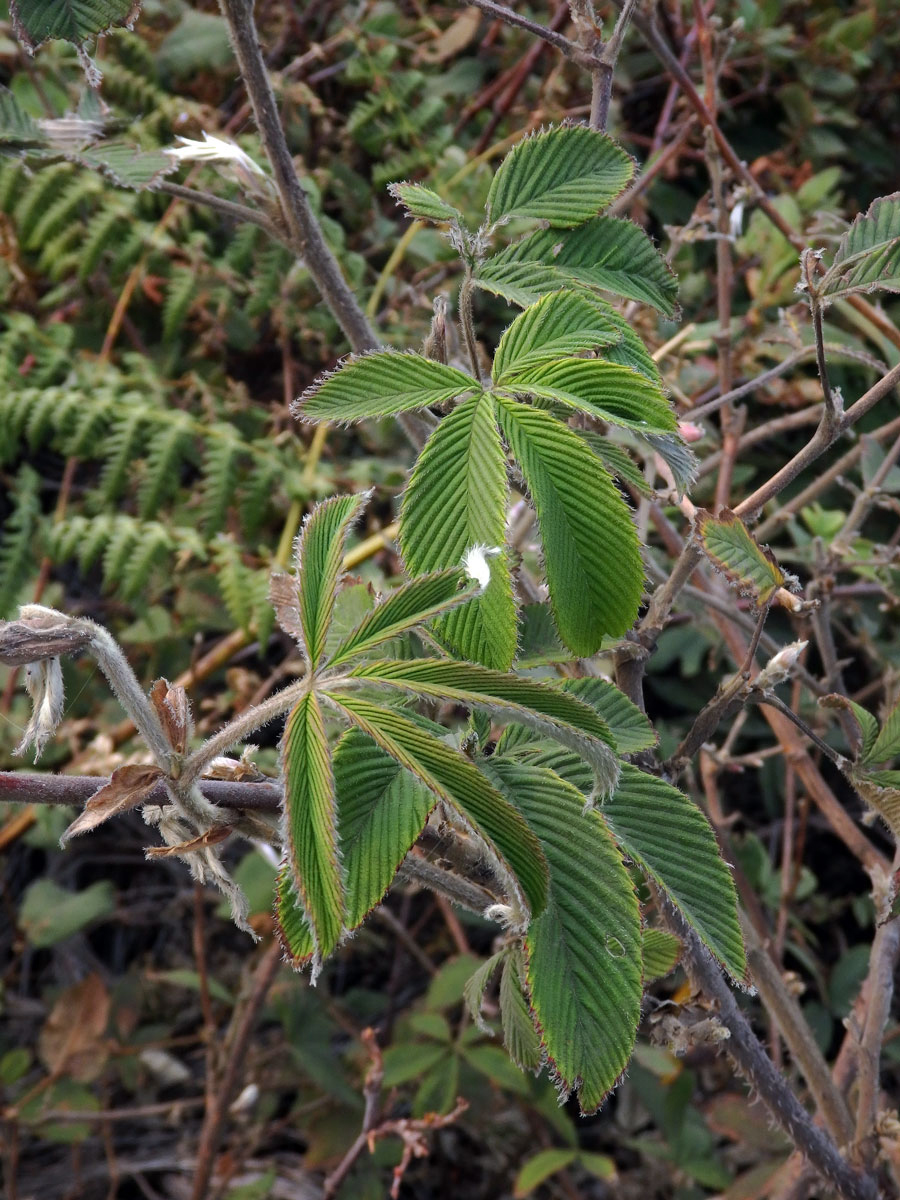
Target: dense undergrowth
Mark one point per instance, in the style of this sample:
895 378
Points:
152 476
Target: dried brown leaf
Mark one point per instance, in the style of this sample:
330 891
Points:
212 837
285 600
174 711
128 787
72 1041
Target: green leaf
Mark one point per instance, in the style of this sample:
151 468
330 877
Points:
381 811
409 1061
678 457
865 722
539 1169
868 255
600 1165
455 780
77 21
403 609
631 730
476 985
50 913
127 165
422 203
662 951
887 744
881 791
563 176
616 394
456 499
319 552
17 127
380 385
522 1041
584 951
605 254
561 324
673 841
494 1063
732 549
591 552
536 705
310 826
616 460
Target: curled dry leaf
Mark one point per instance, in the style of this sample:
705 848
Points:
129 786
23 642
285 600
174 712
211 837
72 1041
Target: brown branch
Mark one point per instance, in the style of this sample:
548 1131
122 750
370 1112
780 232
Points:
501 13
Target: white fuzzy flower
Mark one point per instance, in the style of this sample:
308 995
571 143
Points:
213 149
476 566
779 668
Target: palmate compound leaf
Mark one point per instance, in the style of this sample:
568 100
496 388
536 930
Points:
672 840
584 951
456 499
414 603
592 555
729 545
563 176
318 552
543 708
381 811
619 395
561 324
310 825
605 254
76 21
868 255
458 782
380 385
422 203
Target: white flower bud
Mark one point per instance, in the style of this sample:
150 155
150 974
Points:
476 566
44 681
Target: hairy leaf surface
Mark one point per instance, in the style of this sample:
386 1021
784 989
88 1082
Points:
563 176
454 779
631 730
731 547
379 385
319 552
584 951
591 551
868 255
616 394
673 841
662 951
76 21
456 499
605 254
560 324
422 203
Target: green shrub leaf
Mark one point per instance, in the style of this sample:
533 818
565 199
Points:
17 127
536 705
77 21
605 254
563 176
560 324
631 730
868 255
126 165
591 551
456 499
584 951
380 385
456 780
887 744
539 1169
731 547
319 553
422 203
522 1041
662 951
310 825
606 390
673 841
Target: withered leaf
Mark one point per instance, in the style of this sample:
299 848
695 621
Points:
732 549
72 1041
211 837
174 711
128 787
286 602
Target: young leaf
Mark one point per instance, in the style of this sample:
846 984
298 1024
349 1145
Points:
591 551
584 951
310 833
380 385
868 255
881 791
662 951
561 324
672 840
605 254
476 986
563 176
422 203
381 811
77 21
678 457
456 499
535 705
522 1041
616 460
887 744
319 551
603 389
454 779
631 730
403 609
865 723
731 548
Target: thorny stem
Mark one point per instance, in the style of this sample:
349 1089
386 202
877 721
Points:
306 234
751 1059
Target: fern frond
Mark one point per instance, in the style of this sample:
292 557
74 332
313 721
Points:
182 288
79 194
17 550
235 581
171 444
123 446
220 464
